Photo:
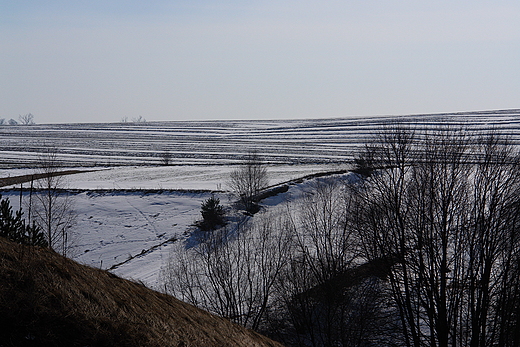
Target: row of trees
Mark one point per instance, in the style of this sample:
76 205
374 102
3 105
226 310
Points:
139 119
26 119
423 250
447 209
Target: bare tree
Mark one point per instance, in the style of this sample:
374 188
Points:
26 119
446 209
166 157
232 274
493 241
327 296
53 206
12 122
325 236
248 180
139 119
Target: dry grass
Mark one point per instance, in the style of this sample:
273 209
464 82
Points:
49 300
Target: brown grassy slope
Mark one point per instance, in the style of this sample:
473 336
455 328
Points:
49 300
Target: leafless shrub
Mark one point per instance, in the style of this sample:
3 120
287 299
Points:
26 119
325 296
325 235
232 274
248 180
52 207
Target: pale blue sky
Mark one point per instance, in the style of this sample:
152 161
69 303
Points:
100 61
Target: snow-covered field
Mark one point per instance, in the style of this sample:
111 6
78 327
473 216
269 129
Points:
131 233
184 177
130 211
318 141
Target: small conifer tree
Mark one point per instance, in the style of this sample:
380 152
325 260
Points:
212 213
13 227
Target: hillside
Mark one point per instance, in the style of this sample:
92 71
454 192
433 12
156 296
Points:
49 300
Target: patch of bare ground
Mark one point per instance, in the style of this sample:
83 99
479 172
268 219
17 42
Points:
49 300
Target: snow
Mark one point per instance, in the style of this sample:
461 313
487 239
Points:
116 226
183 177
129 218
